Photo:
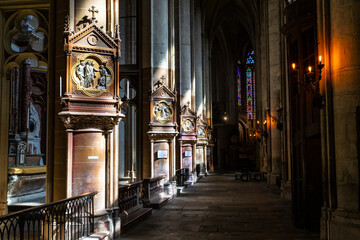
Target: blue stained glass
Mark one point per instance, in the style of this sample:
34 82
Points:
239 86
250 83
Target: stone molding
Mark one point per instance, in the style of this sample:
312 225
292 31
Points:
76 122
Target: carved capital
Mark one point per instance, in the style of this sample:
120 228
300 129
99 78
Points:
76 122
162 136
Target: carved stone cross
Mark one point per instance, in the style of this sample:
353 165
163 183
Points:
93 11
163 79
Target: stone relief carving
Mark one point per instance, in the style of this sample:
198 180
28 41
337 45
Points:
188 125
92 76
163 111
200 132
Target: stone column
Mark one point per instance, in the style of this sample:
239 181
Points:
171 160
160 39
185 51
181 155
274 88
199 94
156 64
194 159
205 159
152 158
345 72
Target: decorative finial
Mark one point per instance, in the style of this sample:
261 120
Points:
160 83
183 109
93 11
67 23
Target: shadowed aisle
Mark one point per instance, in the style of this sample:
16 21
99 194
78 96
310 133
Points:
220 207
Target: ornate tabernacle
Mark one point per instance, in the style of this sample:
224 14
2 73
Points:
91 77
188 137
91 108
210 150
162 130
201 145
201 132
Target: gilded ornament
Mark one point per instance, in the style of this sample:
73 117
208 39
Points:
187 125
163 111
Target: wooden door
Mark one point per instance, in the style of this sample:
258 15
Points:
305 132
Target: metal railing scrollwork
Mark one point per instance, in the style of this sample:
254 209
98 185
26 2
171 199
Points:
71 218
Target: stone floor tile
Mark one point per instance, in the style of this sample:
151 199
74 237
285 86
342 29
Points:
218 207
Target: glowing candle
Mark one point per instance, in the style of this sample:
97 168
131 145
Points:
309 69
293 66
60 86
320 59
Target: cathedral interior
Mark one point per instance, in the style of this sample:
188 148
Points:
180 119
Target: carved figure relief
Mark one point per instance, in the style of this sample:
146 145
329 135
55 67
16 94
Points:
92 75
163 111
187 125
200 132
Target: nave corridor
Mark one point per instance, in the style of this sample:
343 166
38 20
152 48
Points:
220 207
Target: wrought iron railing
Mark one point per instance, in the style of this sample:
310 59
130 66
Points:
71 218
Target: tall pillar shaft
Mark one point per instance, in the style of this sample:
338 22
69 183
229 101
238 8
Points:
160 39
199 92
157 61
345 71
274 87
185 51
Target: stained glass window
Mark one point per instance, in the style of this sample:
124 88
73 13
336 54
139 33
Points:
238 86
250 85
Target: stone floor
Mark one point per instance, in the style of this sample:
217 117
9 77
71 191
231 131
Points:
218 207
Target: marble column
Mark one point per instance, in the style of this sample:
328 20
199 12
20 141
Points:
345 72
274 88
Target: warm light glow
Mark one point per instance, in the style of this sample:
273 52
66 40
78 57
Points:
225 118
264 122
320 59
309 69
293 66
